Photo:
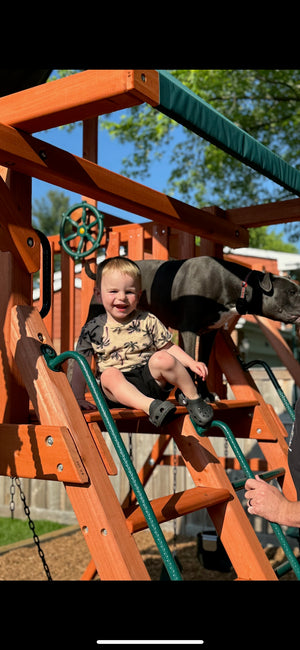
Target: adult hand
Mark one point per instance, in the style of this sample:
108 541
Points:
266 500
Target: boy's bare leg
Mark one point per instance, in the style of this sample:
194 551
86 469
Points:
166 368
116 387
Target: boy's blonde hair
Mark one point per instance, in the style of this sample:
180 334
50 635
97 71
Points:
122 264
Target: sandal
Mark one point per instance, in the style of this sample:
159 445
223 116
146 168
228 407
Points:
201 412
161 412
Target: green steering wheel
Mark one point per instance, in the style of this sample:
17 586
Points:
89 230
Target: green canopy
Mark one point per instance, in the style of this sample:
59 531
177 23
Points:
184 106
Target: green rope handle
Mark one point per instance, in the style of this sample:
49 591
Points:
275 383
54 362
249 474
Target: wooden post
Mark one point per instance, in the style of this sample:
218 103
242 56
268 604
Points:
236 533
15 288
89 152
67 298
243 387
95 504
136 243
280 346
160 242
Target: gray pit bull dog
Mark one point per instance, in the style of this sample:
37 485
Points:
201 294
204 292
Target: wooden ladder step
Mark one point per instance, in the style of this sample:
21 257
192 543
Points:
176 505
221 408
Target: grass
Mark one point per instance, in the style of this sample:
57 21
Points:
15 530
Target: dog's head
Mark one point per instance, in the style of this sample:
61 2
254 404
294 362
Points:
280 298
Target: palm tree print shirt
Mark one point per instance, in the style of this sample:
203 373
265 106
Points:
124 346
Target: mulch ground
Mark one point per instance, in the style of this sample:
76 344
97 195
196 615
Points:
67 557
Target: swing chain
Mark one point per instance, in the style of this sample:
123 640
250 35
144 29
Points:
174 492
12 491
30 524
130 451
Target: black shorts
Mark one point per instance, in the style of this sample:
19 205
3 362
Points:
142 379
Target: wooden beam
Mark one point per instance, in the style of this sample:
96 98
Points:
16 288
266 214
42 452
280 346
237 535
95 504
78 97
89 152
176 505
17 236
244 387
36 158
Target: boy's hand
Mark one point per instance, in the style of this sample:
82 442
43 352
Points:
199 368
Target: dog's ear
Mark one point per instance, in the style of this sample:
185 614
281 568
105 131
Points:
266 283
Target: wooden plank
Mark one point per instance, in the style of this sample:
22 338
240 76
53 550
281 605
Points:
96 506
244 417
89 152
15 288
67 301
16 233
186 246
175 505
266 214
48 163
49 318
236 533
78 97
244 387
160 242
113 247
280 346
42 452
135 243
102 447
247 422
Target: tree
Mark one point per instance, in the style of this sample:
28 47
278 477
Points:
269 240
47 212
264 103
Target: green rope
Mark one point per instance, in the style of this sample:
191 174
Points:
249 474
275 383
54 362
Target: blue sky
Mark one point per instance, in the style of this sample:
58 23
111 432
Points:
110 155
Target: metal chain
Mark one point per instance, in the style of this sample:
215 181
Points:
226 449
175 467
31 526
174 492
12 491
130 451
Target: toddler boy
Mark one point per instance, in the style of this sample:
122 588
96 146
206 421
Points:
137 365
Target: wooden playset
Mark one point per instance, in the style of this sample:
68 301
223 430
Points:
43 432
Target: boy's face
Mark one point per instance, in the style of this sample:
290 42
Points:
120 294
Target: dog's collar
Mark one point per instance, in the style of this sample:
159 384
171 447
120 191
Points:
241 303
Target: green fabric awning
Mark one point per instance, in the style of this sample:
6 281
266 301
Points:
188 109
